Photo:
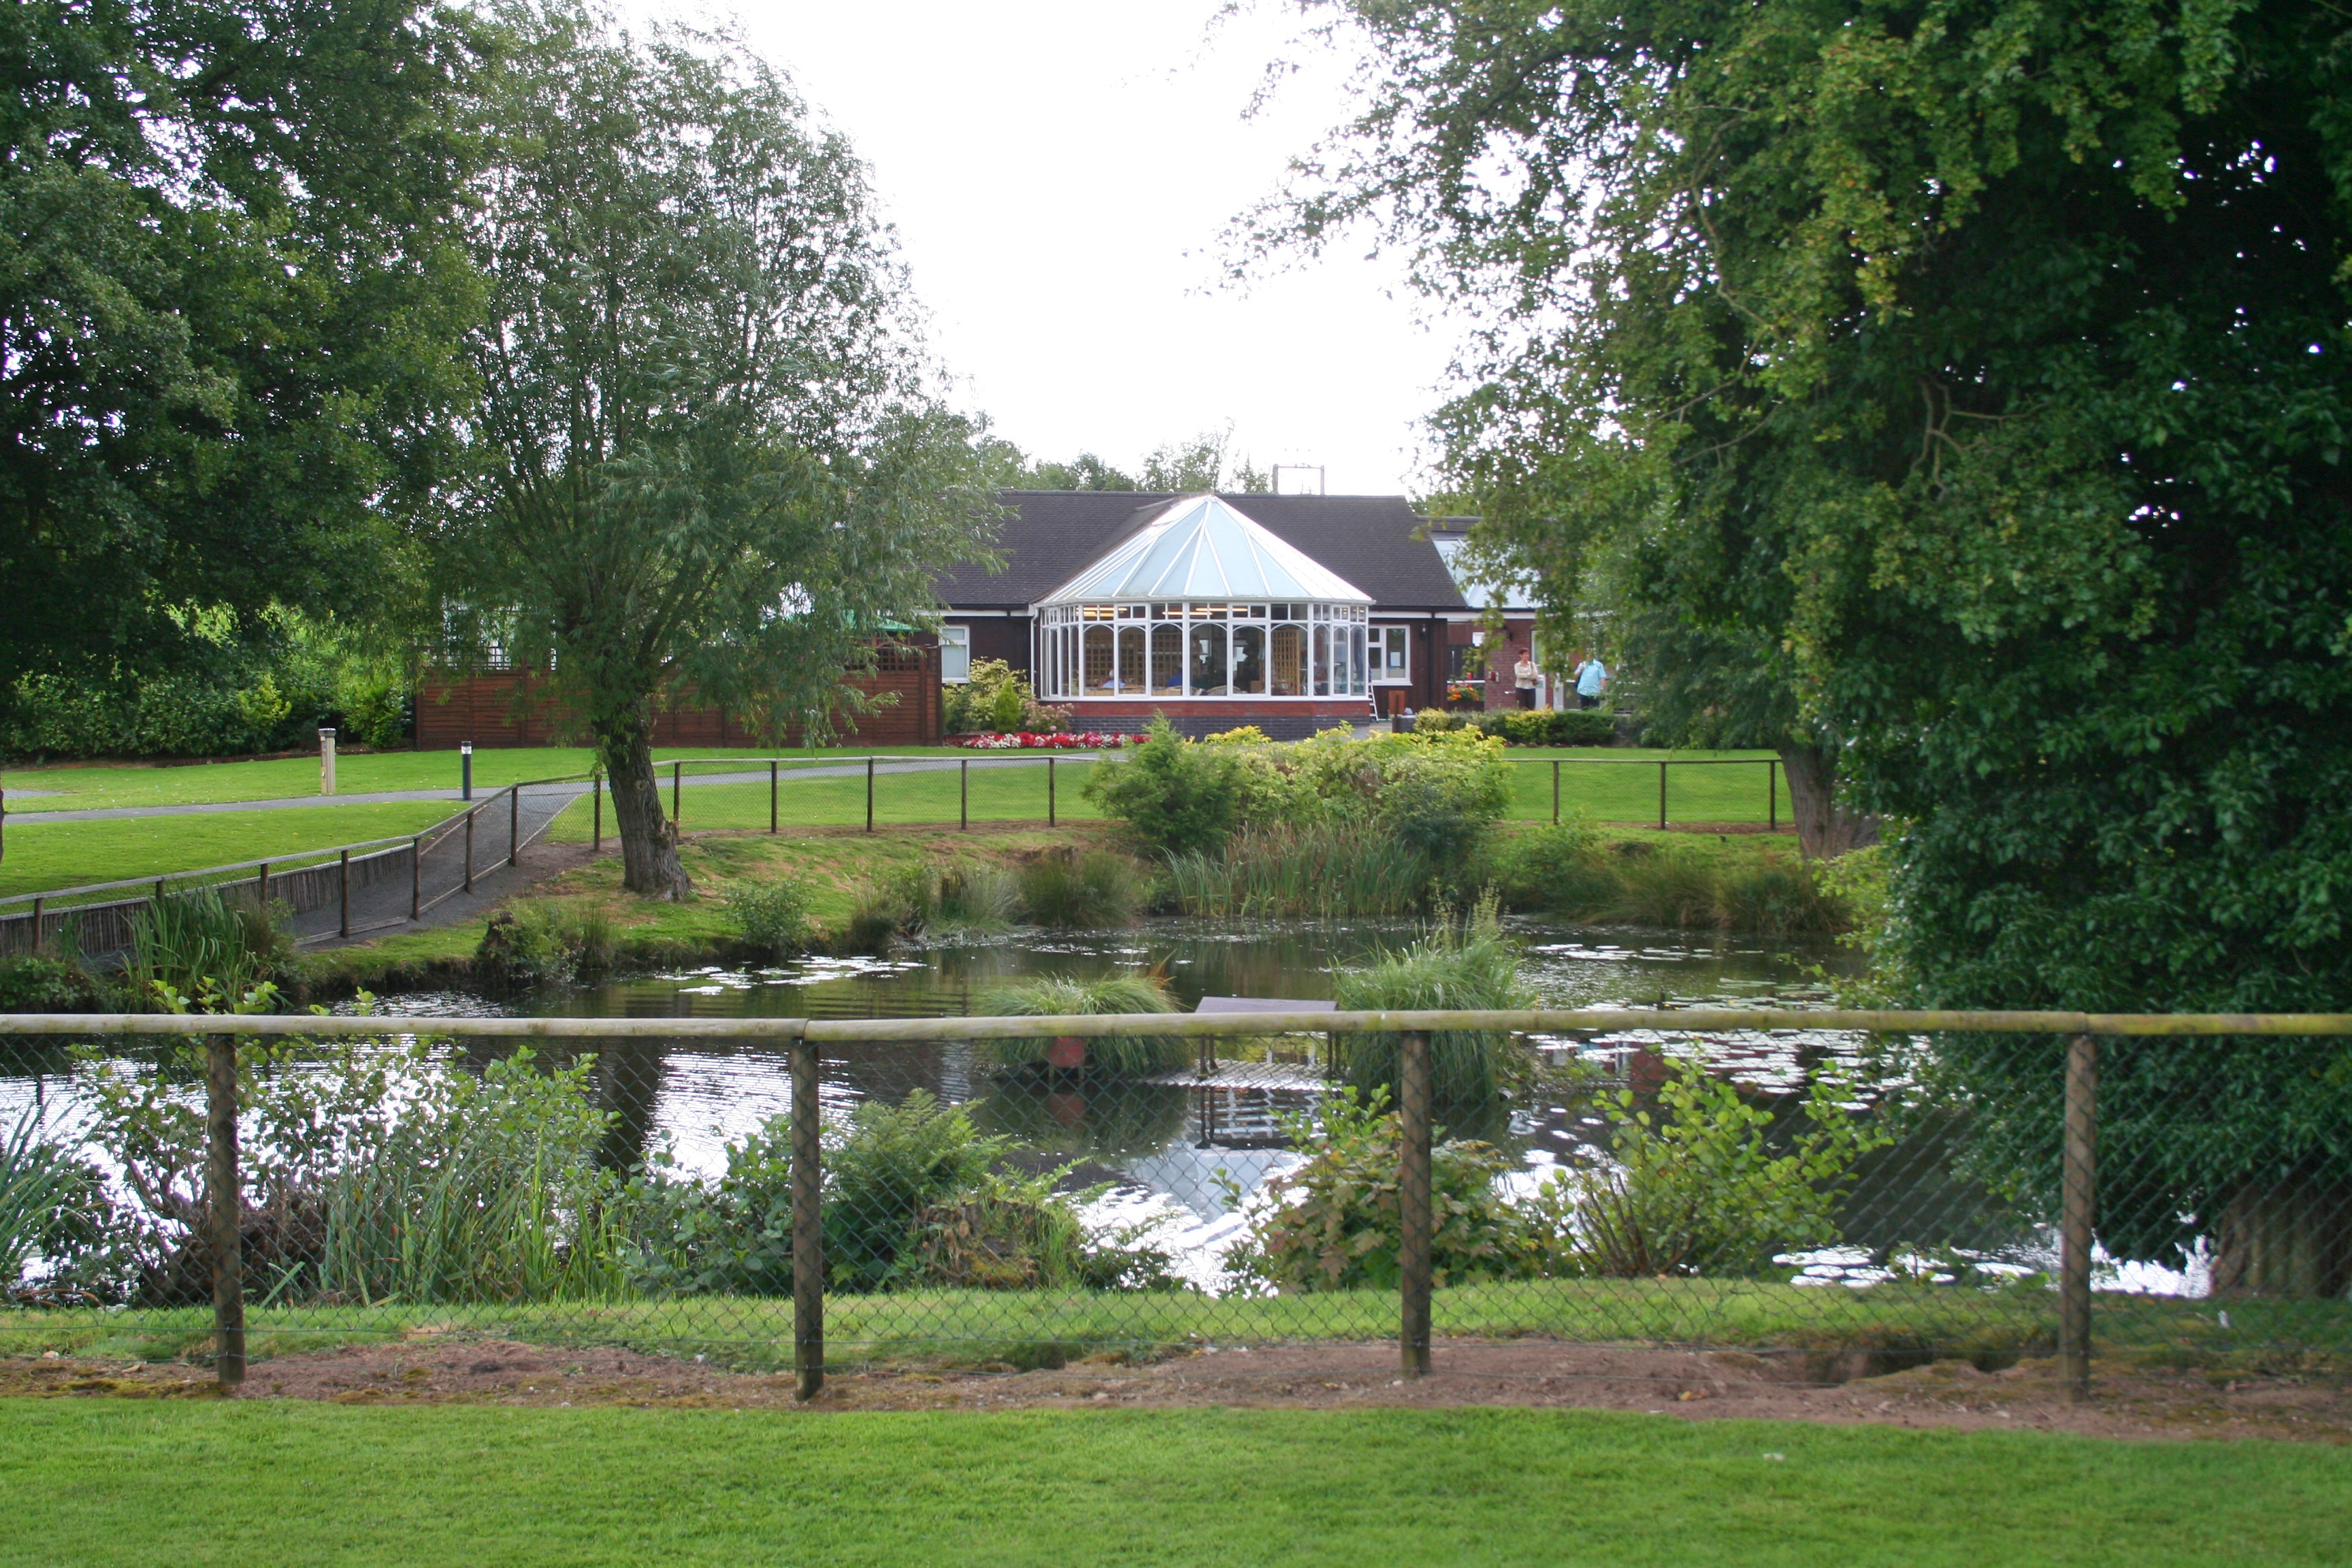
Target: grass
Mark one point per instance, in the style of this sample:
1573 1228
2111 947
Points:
47 854
998 793
76 787
951 1327
107 1482
1606 788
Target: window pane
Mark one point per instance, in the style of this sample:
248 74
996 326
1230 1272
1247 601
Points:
1289 673
1355 661
1098 671
1249 662
1130 659
955 653
1208 660
1168 660
1322 662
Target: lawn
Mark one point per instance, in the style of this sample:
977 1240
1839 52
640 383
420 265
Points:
103 1481
74 786
49 855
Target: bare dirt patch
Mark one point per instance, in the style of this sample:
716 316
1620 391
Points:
1690 1384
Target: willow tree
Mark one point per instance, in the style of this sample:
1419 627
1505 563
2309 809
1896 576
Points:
706 462
1977 370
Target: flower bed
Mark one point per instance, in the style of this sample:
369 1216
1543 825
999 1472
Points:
1063 741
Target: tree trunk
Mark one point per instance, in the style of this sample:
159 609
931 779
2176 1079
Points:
2291 1238
649 863
1823 830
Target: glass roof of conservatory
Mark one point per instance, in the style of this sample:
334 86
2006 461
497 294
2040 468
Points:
1202 548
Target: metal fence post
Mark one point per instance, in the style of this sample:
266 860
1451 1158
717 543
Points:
514 826
808 1223
1772 796
224 1207
40 927
261 888
1049 792
1555 792
772 794
343 896
470 851
1662 797
963 794
597 816
1414 1204
2077 1208
869 792
677 792
416 878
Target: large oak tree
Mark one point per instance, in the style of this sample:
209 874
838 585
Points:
706 462
1978 372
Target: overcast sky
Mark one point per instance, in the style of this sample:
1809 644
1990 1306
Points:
1060 172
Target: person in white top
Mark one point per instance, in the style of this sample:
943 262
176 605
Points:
1525 672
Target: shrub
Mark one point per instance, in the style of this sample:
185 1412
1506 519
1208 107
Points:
1436 721
1081 891
1334 1224
51 1205
1175 796
1470 967
996 698
1560 727
1665 889
976 898
1698 1188
544 941
35 984
772 918
1241 735
891 1164
1779 898
1121 1055
1559 868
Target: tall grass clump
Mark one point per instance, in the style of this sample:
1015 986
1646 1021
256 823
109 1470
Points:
1466 967
1324 871
1120 1056
1081 891
197 948
772 918
1779 898
52 1204
480 1190
545 941
1665 889
978 897
1558 868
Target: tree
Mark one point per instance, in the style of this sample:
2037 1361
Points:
231 296
705 462
1186 467
1982 364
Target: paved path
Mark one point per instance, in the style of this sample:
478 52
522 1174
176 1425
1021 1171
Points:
568 792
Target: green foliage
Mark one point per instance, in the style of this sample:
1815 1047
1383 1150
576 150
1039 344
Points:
45 1193
891 1164
1963 391
1698 1186
1333 1224
772 917
196 949
545 941
1112 1056
1549 727
1558 868
30 985
1086 889
1175 795
994 697
764 436
1326 870
1468 966
234 294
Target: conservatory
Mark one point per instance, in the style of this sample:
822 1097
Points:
1202 612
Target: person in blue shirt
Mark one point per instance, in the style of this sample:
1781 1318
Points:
1591 680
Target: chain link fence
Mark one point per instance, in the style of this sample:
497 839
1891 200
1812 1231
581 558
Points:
1835 1193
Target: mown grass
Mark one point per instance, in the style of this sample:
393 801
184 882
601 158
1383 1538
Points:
999 793
48 855
105 1482
1609 787
990 1326
85 787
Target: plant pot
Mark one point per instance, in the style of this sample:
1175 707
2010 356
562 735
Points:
1067 1053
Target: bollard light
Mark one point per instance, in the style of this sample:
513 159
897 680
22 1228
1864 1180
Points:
466 770
326 760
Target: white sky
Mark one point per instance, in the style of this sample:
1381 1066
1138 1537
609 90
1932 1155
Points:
1060 172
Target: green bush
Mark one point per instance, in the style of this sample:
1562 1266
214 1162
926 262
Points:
1546 727
1081 889
1666 888
1779 898
1436 721
1334 1224
1467 967
1176 796
996 698
1559 869
37 985
51 1204
772 917
1119 1056
1698 1187
544 941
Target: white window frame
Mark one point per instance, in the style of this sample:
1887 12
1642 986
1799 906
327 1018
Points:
952 640
1383 676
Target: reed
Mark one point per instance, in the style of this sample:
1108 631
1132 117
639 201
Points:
1334 870
1081 891
1450 966
1123 1056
